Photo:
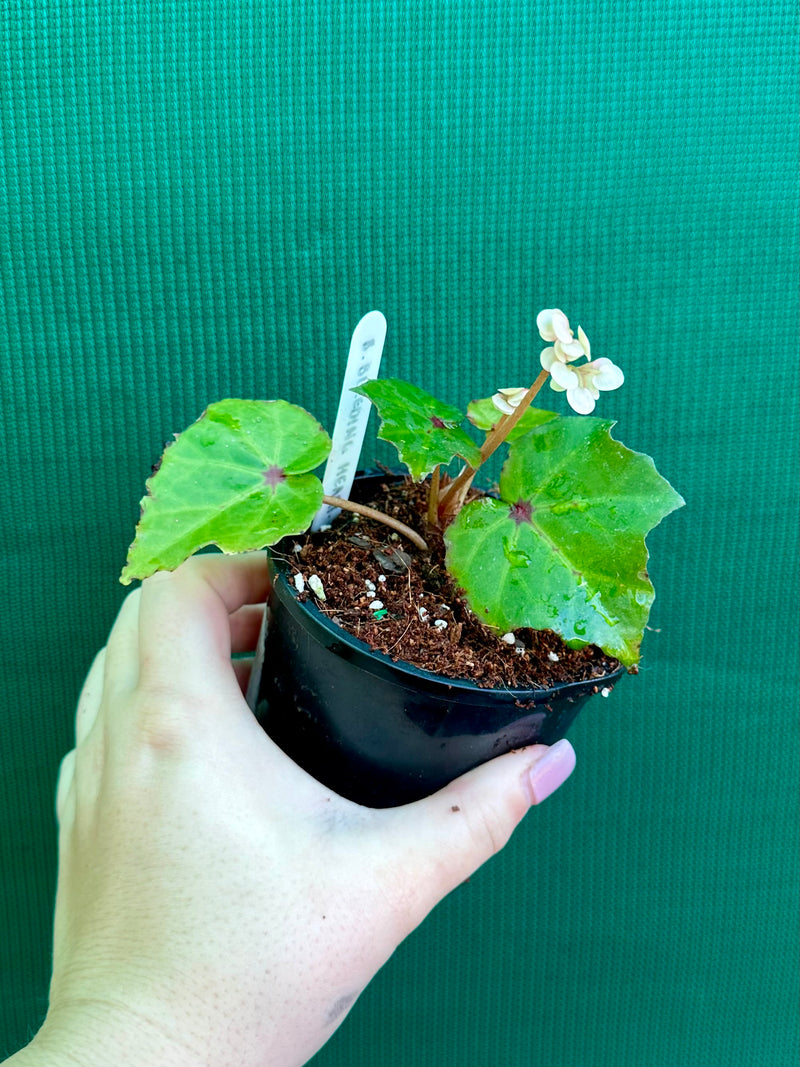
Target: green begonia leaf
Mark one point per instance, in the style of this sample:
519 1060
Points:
563 548
484 415
237 478
425 431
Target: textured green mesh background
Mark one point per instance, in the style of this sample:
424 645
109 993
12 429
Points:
200 199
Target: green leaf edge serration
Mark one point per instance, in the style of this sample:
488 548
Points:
214 486
408 415
508 592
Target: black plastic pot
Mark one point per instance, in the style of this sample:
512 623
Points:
381 732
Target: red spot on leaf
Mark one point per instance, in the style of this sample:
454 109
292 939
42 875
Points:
438 423
273 476
521 512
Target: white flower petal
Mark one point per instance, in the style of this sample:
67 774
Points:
513 396
544 324
607 374
547 357
553 324
583 341
507 400
502 404
565 376
561 327
581 400
556 387
586 373
566 353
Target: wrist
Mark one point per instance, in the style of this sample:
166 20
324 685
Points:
95 1034
28 1057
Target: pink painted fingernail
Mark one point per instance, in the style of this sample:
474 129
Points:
551 771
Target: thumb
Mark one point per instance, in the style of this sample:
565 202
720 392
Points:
446 837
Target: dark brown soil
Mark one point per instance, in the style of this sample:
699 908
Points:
422 619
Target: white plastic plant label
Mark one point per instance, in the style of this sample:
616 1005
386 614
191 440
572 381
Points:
363 364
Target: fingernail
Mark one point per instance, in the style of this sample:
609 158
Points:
551 771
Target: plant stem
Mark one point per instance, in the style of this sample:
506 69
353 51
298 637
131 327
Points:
433 496
507 424
453 497
379 516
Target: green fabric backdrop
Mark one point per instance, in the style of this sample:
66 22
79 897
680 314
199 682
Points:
200 199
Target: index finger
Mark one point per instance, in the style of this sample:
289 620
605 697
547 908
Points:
184 615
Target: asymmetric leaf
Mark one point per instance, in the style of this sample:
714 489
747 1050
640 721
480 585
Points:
563 548
425 431
237 478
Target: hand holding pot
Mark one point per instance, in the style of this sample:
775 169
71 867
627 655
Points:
215 903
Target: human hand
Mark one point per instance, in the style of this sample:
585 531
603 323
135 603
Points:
215 904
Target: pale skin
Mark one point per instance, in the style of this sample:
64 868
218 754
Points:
217 906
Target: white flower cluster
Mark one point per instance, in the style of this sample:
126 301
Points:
583 383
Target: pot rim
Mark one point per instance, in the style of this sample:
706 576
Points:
416 677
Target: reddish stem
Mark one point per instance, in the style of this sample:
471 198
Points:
379 516
453 498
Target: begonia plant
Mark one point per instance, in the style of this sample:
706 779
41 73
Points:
559 546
